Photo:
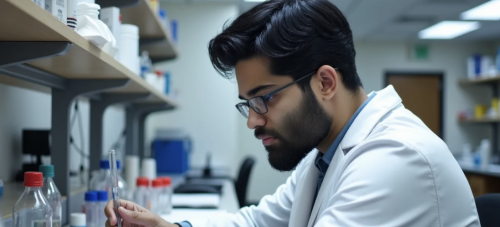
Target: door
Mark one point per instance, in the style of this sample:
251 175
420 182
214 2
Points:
421 94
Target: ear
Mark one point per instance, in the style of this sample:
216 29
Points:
328 80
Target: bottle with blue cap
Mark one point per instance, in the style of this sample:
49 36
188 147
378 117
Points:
102 180
102 197
91 209
51 192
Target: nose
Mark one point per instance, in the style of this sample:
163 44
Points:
255 120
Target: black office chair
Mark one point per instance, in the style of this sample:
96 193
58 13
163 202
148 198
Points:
240 184
488 206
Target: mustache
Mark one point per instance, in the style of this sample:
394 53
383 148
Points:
269 132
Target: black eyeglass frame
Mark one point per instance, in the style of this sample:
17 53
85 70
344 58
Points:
266 98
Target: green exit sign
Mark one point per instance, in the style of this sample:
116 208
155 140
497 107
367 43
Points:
420 52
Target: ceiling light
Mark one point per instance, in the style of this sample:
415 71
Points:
448 29
486 11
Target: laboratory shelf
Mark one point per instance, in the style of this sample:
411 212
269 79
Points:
481 80
23 20
482 120
154 37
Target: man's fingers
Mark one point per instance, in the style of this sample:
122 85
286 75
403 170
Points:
137 217
110 213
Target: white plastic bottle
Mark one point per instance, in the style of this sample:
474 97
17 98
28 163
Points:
102 197
142 193
485 153
156 194
91 209
52 194
32 208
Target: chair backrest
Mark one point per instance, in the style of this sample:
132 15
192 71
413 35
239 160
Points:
488 206
241 183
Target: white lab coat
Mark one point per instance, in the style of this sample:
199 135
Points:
390 170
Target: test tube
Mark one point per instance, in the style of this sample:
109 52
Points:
114 185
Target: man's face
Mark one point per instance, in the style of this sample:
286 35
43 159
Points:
295 122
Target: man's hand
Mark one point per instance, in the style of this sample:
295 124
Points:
134 215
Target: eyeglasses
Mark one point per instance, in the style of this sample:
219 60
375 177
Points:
259 103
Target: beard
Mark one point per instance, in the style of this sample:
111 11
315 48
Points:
302 130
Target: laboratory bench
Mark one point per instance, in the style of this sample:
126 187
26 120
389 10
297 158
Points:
13 191
482 181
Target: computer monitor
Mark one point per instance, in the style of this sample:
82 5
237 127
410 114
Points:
36 142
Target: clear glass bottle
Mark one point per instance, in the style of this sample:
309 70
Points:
102 180
51 193
142 193
122 184
102 200
32 208
91 209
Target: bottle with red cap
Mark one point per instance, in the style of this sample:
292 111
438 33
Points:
156 194
142 193
166 200
32 209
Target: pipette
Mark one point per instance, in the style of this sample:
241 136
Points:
114 185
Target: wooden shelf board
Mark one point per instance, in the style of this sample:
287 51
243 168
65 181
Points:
481 80
145 18
83 60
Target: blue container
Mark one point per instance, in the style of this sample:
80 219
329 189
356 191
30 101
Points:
172 155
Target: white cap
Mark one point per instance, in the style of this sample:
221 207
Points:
78 219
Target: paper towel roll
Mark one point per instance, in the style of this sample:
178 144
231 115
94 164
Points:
149 168
131 170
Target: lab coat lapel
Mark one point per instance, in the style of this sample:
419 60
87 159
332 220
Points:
304 196
326 185
384 101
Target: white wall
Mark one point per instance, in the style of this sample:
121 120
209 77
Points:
21 108
206 99
374 59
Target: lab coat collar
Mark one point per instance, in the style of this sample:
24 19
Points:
385 100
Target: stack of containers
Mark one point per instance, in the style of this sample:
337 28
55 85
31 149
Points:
129 47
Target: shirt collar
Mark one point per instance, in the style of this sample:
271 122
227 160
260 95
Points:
323 161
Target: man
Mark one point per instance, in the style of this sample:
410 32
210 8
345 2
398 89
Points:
373 163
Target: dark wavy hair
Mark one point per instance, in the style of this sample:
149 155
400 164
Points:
295 36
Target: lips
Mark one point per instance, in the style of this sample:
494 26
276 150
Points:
267 140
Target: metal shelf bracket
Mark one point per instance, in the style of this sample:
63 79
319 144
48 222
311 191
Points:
135 119
97 109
